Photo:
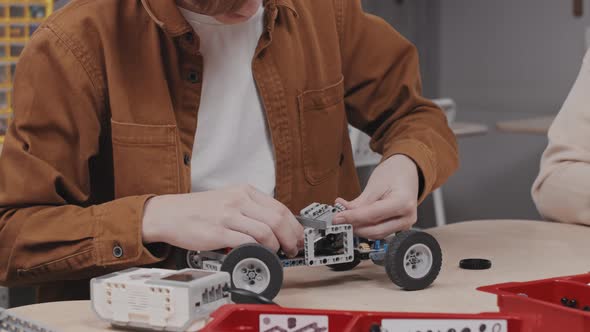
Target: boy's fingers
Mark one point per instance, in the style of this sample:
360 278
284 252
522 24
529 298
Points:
369 215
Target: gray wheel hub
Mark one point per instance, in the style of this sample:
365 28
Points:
418 261
251 274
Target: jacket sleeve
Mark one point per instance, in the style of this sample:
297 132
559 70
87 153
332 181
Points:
562 190
49 228
383 96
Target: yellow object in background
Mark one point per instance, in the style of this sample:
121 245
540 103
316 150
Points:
18 21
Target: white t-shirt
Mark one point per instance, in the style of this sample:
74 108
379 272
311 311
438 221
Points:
232 144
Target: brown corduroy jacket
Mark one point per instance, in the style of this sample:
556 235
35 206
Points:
106 105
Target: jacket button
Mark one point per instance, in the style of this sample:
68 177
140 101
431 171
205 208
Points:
187 159
189 37
117 251
193 77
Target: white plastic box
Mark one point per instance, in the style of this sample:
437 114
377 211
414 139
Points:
161 300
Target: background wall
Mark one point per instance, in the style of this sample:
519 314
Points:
419 21
499 60
510 55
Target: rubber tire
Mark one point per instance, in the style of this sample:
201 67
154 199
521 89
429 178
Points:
180 258
394 259
269 258
347 266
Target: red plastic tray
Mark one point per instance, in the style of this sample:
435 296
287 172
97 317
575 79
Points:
527 306
541 300
233 318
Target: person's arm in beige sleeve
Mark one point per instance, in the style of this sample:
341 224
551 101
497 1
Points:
562 190
384 99
57 217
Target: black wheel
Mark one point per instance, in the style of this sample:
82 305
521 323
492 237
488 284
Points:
186 259
347 266
254 268
413 260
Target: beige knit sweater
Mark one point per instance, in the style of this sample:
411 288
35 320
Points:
562 190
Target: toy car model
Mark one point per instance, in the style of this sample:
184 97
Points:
412 259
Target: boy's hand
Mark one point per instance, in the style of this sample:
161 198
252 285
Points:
221 218
389 202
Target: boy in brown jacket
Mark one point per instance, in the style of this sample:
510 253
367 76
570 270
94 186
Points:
129 116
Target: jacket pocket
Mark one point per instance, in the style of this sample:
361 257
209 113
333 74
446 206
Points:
323 126
145 159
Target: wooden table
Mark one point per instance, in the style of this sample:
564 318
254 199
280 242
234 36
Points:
538 126
520 251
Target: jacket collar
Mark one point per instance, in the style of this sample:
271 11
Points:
166 14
